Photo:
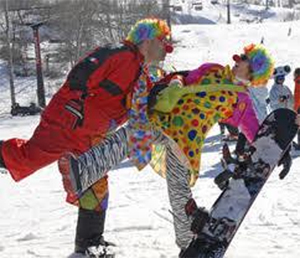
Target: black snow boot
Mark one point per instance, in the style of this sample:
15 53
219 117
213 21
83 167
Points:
89 234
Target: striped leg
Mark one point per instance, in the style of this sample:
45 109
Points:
95 163
179 193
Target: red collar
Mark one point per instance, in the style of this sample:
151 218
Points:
135 49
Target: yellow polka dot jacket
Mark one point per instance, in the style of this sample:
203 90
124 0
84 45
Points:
185 114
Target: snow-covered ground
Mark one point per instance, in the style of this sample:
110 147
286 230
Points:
36 222
240 13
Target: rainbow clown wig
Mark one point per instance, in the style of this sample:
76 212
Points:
261 63
149 28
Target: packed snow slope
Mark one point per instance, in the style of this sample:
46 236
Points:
36 222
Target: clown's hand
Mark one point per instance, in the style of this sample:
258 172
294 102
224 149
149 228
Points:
168 98
152 97
177 79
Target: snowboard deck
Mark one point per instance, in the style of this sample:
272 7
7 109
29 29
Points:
273 138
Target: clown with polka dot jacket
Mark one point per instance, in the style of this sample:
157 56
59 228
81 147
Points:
186 111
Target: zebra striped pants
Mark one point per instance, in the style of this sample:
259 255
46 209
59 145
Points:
95 164
179 193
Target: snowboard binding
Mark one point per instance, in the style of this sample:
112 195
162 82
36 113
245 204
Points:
209 247
199 215
241 163
222 180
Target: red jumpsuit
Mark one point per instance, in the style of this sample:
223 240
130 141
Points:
92 102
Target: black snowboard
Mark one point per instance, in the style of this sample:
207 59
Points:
220 224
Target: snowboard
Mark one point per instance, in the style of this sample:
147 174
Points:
215 229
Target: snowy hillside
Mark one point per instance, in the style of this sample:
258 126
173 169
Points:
36 222
210 13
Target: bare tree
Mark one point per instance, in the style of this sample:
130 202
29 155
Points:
291 3
6 27
79 25
74 24
84 24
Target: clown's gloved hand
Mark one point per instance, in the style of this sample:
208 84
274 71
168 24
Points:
286 162
168 97
165 102
152 97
